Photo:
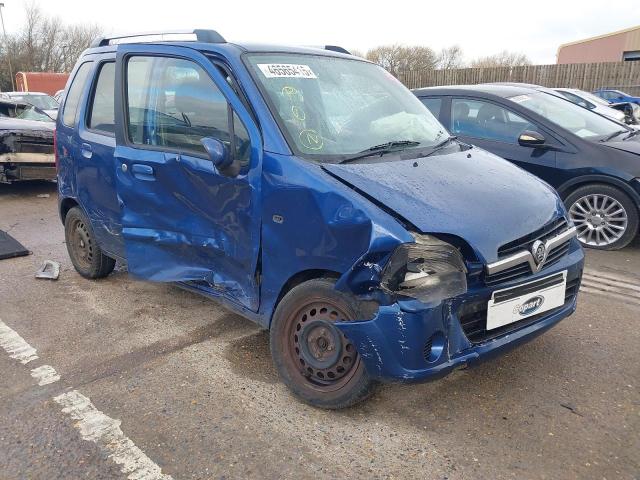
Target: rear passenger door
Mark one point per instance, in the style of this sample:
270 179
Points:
496 128
183 220
95 175
86 143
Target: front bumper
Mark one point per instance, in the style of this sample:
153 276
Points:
407 341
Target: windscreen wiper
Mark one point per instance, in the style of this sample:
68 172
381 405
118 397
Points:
382 149
633 133
441 145
614 135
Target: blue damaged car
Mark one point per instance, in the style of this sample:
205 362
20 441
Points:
311 192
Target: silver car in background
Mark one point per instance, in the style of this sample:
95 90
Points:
593 102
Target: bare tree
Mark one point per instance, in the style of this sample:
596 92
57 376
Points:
357 53
502 59
450 58
45 44
398 59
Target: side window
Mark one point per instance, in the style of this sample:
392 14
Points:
102 115
575 99
480 119
433 104
73 95
242 142
173 103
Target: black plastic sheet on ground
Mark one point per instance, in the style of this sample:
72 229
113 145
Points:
10 247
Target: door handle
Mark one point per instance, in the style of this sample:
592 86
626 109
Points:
143 172
86 151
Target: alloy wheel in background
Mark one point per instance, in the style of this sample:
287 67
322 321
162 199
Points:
601 220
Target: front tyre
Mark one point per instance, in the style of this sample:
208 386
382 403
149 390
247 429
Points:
84 251
315 360
606 218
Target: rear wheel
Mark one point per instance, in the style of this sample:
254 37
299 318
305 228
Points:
315 360
606 218
84 251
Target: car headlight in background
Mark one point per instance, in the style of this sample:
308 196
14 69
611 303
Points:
428 270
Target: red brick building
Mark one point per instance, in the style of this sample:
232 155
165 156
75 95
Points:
623 45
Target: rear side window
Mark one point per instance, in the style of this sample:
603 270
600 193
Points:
173 103
102 115
73 96
576 99
433 104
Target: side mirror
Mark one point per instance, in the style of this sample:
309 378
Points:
530 138
218 152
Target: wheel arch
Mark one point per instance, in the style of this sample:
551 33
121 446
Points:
67 204
298 278
571 185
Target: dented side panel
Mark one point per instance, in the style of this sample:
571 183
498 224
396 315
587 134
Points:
182 219
189 223
313 222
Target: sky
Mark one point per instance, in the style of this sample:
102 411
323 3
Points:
480 27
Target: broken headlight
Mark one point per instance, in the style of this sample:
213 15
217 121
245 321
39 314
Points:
428 270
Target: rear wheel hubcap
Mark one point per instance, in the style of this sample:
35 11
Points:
82 244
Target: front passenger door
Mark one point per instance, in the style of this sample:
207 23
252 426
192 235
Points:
182 219
495 128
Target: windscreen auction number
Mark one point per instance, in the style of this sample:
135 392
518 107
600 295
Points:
286 70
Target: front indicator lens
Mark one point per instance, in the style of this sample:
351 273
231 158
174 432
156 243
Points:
428 270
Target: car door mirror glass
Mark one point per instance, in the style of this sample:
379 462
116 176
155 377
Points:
529 138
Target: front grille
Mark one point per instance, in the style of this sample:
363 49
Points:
550 230
473 317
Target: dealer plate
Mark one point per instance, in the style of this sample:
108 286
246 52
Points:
517 303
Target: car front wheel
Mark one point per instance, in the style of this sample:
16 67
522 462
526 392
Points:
314 358
606 218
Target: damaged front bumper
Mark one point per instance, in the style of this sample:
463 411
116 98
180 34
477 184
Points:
407 341
26 155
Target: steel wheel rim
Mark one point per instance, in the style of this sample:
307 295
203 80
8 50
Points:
600 219
81 243
320 373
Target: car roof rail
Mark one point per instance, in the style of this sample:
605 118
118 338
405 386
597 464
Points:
201 35
336 48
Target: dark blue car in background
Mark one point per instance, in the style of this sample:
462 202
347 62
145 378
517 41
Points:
311 192
616 96
592 161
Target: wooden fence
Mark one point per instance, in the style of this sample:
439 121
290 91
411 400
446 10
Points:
586 76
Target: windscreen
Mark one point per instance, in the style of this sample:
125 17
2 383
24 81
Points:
43 102
330 107
30 113
579 121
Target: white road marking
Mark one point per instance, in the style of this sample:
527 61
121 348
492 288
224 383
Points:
93 425
97 427
45 375
612 295
613 285
15 345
